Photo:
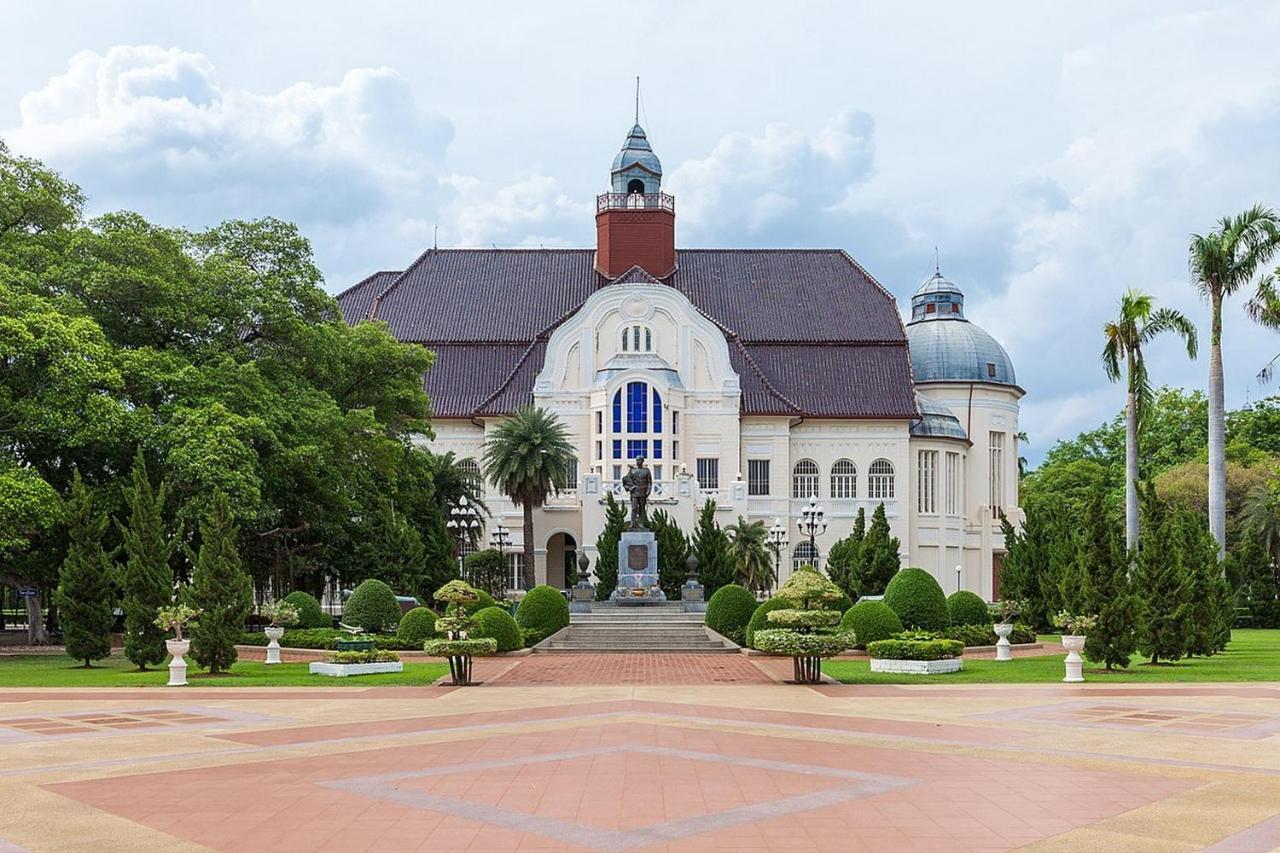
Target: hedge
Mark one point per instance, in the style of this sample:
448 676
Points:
729 611
869 621
326 638
915 649
469 646
760 618
967 608
497 624
811 619
362 657
984 635
310 613
917 599
784 641
417 626
373 607
542 611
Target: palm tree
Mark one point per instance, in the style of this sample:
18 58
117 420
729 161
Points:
528 457
747 551
1264 308
1137 325
1223 261
1261 517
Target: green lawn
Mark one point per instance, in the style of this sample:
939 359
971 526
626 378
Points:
116 671
1254 655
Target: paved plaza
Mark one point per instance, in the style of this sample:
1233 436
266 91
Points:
747 765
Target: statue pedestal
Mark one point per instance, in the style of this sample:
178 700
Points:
637 570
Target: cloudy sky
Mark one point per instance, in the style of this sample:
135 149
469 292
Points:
1053 158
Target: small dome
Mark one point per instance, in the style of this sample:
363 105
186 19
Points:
636 161
945 347
938 421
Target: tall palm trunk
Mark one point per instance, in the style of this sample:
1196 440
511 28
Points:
530 579
1217 459
1131 470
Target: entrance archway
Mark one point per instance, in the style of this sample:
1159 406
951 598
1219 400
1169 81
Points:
562 556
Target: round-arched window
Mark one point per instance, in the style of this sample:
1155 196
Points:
880 480
637 427
804 479
844 479
637 338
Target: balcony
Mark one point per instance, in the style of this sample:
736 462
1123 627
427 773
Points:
635 201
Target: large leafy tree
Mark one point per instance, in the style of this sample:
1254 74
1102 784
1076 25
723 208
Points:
1138 323
84 585
1224 261
750 558
527 456
146 579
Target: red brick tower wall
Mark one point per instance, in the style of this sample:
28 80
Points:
643 238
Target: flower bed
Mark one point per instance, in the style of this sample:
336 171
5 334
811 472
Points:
343 664
916 654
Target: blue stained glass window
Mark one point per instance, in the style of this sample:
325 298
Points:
657 448
657 411
637 447
617 410
617 448
637 407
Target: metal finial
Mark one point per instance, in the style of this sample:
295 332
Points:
937 267
637 121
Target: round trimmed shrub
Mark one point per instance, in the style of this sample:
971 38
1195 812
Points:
484 601
917 599
760 618
497 624
310 613
373 607
870 621
967 608
729 611
543 610
417 626
842 604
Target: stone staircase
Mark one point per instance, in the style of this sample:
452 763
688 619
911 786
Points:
654 628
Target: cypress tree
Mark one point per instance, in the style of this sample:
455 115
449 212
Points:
1251 571
1206 620
844 561
1108 592
673 551
880 559
615 521
220 590
715 568
1162 578
84 582
147 579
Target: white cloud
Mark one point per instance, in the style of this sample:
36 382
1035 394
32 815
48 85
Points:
532 211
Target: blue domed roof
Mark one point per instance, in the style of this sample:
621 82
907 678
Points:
637 151
945 347
938 421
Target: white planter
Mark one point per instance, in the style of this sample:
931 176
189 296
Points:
274 633
1004 651
177 666
917 667
342 670
1074 644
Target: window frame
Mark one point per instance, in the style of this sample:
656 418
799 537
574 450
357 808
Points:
754 478
881 486
844 483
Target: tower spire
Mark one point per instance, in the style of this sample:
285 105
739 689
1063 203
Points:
937 267
637 121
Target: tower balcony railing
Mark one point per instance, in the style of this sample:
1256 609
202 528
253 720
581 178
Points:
635 201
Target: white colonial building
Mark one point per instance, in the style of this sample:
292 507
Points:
754 378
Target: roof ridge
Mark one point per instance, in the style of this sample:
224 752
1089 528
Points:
377 300
542 335
370 277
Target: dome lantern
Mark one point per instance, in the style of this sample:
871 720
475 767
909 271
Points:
945 346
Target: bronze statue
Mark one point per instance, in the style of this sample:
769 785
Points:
638 482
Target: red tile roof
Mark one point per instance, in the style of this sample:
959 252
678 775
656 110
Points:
810 332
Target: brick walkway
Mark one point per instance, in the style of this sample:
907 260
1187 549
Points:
624 669
759 766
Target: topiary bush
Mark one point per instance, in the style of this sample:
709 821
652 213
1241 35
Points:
729 611
483 600
310 613
967 608
918 600
870 621
760 618
542 611
417 626
497 624
373 607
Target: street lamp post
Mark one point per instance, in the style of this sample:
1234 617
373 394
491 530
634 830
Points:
778 543
500 538
464 523
813 522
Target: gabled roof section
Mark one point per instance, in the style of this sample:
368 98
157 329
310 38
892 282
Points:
357 300
636 275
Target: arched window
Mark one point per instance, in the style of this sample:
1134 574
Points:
804 479
637 339
804 555
880 480
470 469
844 479
635 185
637 426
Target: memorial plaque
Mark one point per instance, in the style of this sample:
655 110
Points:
637 557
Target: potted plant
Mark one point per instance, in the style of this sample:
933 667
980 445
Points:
279 614
1004 612
174 618
806 632
455 624
1074 626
